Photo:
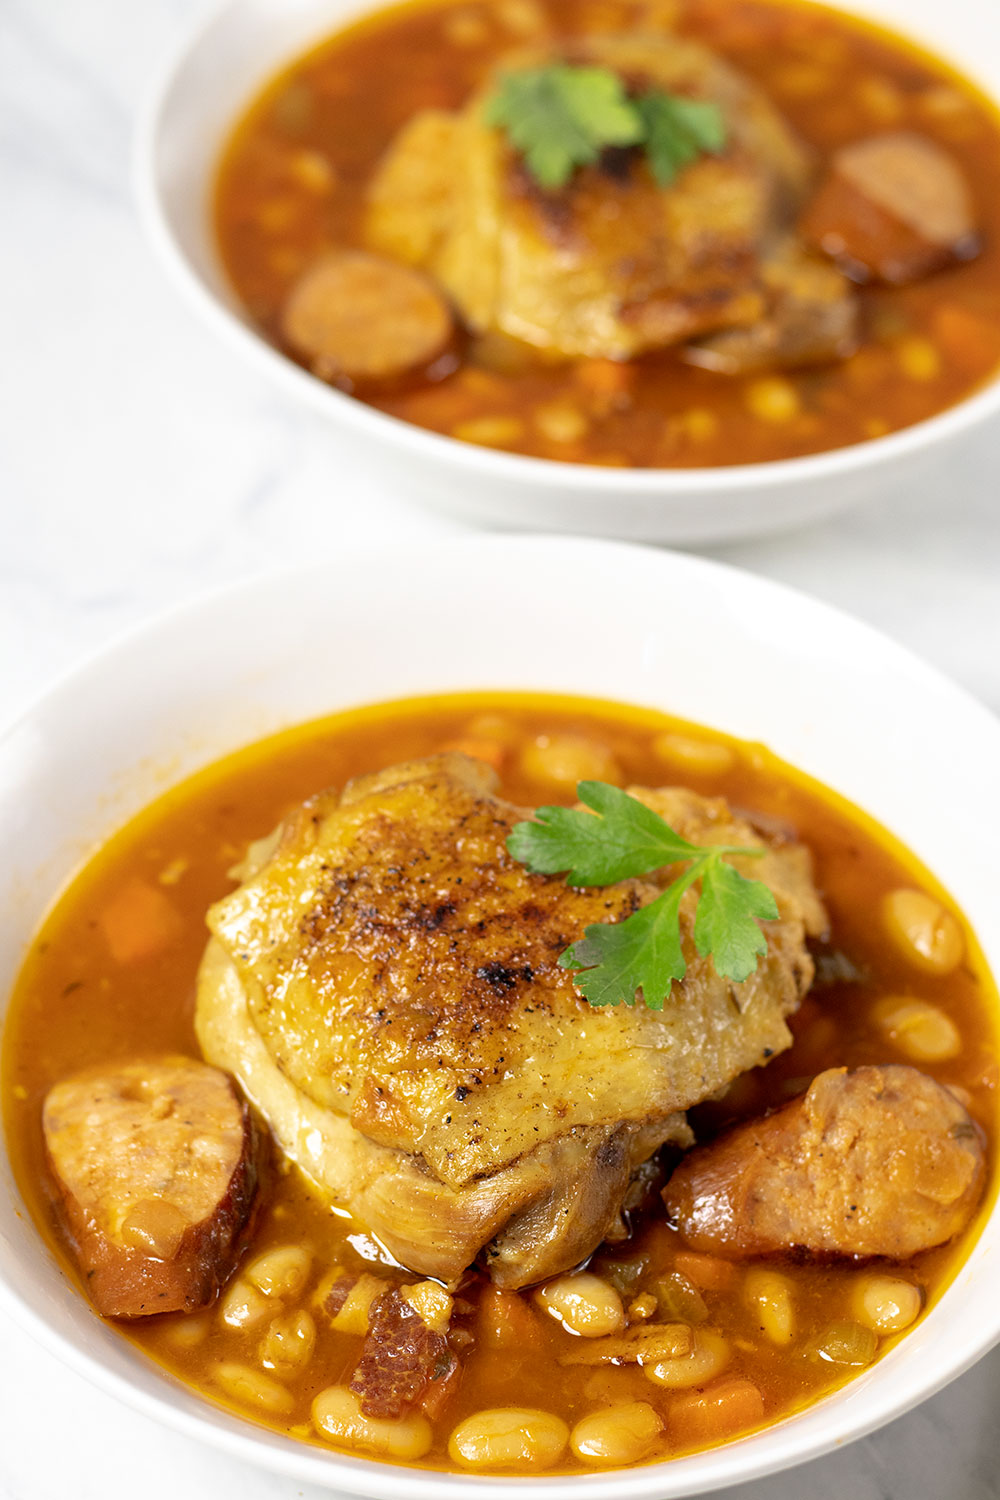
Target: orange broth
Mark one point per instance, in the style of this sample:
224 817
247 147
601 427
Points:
293 180
76 1005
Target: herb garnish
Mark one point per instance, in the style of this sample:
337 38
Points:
617 961
561 117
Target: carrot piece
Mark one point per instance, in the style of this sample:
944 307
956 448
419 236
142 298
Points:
714 1414
605 377
705 1271
506 1320
966 339
138 922
480 749
440 1391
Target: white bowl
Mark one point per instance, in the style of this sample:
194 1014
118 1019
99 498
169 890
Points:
216 74
703 641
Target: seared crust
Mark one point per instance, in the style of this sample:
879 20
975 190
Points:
156 1211
386 986
403 969
612 264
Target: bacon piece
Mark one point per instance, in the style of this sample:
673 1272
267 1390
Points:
401 1358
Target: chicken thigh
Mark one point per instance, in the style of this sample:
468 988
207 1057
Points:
385 985
614 263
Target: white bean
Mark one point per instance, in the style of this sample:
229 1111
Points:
281 1272
886 1304
923 931
509 1437
920 1030
337 1415
242 1305
617 1435
562 760
288 1343
584 1304
769 1295
702 757
708 1358
251 1388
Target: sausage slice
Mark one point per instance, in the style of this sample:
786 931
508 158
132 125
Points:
157 1163
882 1161
894 207
357 319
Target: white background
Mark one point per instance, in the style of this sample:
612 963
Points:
139 464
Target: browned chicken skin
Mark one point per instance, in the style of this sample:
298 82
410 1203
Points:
881 1161
386 986
613 263
157 1164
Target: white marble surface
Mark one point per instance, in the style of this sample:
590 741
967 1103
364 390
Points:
139 464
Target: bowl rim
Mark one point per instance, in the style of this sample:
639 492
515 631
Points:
239 334
713 1468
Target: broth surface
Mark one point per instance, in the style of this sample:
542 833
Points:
293 180
75 1005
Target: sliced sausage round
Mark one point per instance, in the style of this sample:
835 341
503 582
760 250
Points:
882 1161
357 319
157 1163
894 207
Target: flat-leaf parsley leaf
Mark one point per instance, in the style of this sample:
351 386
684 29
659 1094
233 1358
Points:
620 838
677 131
562 116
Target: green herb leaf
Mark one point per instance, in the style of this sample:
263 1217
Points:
677 131
620 838
725 925
616 962
625 838
562 117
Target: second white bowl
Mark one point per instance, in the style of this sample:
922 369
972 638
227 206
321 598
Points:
206 88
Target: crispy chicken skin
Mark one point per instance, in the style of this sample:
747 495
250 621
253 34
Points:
157 1163
881 1161
385 985
613 263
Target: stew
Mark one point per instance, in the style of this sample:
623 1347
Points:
848 286
667 1341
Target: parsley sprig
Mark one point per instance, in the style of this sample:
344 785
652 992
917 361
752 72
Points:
562 116
620 837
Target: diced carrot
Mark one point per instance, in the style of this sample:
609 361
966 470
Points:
605 378
138 922
714 1414
705 1271
475 382
506 1321
968 341
488 750
440 1391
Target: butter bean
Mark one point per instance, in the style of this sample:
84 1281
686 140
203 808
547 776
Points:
509 1437
617 1435
584 1304
337 1416
923 931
